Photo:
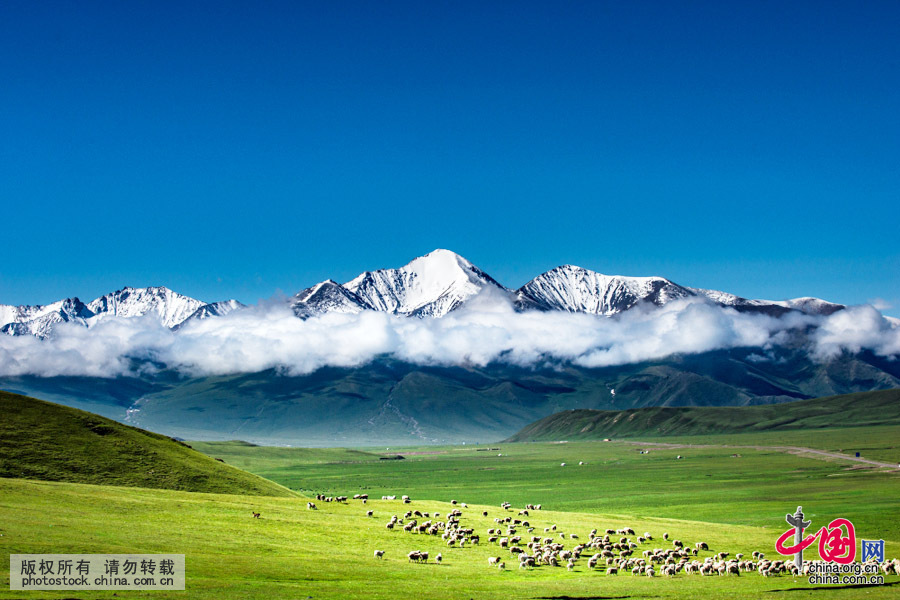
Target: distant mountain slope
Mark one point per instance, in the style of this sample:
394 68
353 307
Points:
847 410
42 440
389 402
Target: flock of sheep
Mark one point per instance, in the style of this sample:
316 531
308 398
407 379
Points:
613 550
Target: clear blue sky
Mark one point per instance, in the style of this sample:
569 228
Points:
235 149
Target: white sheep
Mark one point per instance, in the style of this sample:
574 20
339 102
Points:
379 554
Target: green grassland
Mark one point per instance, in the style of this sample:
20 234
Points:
755 488
292 552
733 499
847 410
42 440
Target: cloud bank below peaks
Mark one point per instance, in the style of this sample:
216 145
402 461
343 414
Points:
486 330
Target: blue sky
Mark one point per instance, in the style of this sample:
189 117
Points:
235 150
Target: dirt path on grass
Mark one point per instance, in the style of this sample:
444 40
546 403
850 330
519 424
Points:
798 450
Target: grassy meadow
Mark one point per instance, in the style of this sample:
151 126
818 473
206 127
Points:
755 488
733 498
292 552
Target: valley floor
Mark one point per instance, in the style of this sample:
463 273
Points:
291 552
735 501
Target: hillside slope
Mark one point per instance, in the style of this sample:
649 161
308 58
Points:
42 440
847 410
389 402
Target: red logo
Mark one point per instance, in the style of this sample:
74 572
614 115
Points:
834 546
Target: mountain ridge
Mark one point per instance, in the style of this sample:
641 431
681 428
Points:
430 286
844 410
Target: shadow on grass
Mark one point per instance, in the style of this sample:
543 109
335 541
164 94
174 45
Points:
825 587
580 597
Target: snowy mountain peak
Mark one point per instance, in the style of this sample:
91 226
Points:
213 309
326 296
171 307
574 289
41 319
431 285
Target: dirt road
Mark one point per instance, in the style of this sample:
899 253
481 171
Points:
798 450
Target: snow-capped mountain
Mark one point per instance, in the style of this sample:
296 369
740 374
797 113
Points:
213 309
574 289
170 307
429 286
810 306
40 320
328 296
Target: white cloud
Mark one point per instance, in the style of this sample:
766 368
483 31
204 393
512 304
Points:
487 330
857 328
881 304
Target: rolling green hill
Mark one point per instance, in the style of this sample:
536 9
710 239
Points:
42 440
847 410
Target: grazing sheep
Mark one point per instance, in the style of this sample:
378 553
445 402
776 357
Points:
438 558
666 535
311 506
369 513
562 464
255 514
501 566
493 560
612 570
379 554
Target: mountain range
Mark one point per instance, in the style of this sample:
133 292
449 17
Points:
390 401
429 286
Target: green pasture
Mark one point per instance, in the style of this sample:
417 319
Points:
292 552
754 488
